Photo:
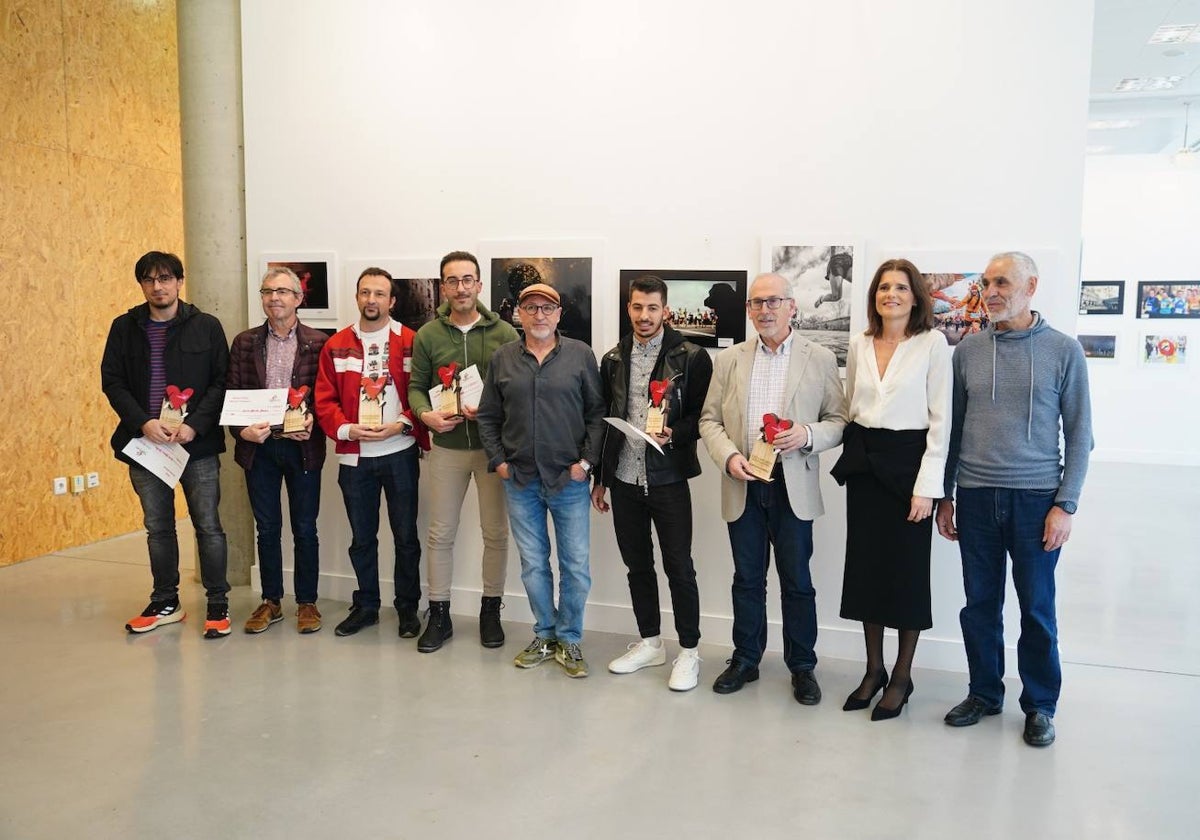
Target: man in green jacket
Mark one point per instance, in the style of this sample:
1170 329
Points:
462 337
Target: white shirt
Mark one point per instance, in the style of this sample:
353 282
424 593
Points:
375 347
913 393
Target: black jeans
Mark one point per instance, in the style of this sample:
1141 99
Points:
669 507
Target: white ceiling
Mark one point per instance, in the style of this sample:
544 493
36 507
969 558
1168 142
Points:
1120 50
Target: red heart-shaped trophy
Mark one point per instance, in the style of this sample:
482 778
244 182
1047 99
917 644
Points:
658 390
772 426
373 387
296 396
447 374
178 399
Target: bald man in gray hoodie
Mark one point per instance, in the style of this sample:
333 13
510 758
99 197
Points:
1016 491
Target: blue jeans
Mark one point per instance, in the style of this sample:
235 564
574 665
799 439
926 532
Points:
993 522
202 489
768 521
570 509
396 476
276 463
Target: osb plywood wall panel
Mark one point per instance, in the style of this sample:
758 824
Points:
77 209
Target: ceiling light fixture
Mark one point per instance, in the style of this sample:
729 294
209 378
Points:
1147 83
1173 33
1105 125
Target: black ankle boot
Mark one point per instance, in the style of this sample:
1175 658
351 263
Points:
491 634
439 628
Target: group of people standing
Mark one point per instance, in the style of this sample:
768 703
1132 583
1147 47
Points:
921 428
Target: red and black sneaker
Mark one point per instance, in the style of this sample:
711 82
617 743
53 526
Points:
217 624
155 615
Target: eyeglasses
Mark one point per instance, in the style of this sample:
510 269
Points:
466 281
284 292
157 279
534 308
757 304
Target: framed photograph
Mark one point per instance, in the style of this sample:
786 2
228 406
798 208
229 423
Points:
707 307
1099 346
1101 297
1164 349
570 266
824 271
318 275
418 287
1169 300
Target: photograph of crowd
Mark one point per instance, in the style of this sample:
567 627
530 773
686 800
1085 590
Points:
1099 346
1165 350
1101 298
1168 300
708 307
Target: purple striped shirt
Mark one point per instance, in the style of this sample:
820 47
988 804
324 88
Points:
156 333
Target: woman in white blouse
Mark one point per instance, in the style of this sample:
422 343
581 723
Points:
898 382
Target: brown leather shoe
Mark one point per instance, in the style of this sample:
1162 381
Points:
268 613
308 618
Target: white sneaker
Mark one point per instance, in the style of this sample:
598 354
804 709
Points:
641 654
685 671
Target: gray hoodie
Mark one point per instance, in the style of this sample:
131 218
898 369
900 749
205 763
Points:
1011 389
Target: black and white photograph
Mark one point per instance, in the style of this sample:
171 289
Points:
1101 297
571 277
416 283
318 280
1099 346
1169 300
707 307
822 278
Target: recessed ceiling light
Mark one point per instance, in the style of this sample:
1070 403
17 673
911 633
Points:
1098 150
1173 33
1134 85
1104 125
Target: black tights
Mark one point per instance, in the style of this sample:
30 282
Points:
901 671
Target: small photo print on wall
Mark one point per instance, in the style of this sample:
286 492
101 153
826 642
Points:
822 278
707 307
1169 300
1164 350
571 277
1101 298
318 281
958 307
1099 346
415 282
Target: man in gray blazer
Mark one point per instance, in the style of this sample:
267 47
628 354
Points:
776 372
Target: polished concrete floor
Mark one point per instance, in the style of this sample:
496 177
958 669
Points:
107 735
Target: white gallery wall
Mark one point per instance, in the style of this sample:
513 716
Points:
679 133
1141 223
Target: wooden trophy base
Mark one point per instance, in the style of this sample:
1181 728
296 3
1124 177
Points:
762 460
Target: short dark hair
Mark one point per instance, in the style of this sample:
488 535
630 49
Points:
375 271
648 284
921 318
153 262
457 256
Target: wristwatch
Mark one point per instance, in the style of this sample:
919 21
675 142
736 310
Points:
1068 507
587 466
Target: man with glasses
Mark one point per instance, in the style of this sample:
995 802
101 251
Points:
281 353
168 351
542 422
775 373
464 334
362 392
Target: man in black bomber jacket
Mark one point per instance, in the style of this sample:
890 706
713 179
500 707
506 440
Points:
651 487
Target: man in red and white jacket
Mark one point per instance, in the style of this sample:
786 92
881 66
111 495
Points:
361 403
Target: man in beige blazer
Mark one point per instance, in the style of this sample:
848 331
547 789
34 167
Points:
776 372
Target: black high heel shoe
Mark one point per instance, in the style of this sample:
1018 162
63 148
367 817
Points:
882 712
854 704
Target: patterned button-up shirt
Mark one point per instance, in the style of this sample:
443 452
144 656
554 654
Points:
281 357
631 463
768 380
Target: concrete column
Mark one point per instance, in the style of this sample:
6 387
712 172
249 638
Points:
214 209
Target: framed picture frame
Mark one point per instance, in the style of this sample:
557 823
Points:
708 307
825 273
571 266
1169 301
417 283
1102 297
318 273
1099 347
1164 349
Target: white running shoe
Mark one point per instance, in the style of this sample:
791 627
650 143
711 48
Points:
641 654
685 671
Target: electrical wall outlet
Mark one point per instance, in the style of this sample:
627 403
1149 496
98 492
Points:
60 485
77 485
93 480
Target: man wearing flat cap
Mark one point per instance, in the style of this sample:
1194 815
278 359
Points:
541 419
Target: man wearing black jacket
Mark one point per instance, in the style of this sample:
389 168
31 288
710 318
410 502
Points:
168 350
654 368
